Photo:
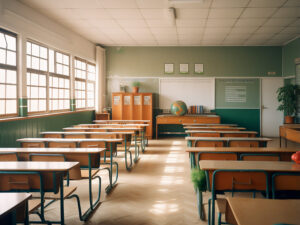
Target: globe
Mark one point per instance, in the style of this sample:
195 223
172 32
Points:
178 108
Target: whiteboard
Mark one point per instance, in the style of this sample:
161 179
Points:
193 91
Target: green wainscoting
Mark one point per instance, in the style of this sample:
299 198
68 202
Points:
31 127
248 118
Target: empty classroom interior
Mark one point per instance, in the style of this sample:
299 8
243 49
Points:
67 74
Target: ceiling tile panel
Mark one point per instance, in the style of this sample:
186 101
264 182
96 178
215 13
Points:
279 21
266 3
258 12
243 30
250 22
229 3
79 4
220 22
293 12
154 13
91 13
225 13
190 23
103 24
125 13
184 14
292 3
132 23
118 4
159 23
151 4
296 23
191 5
189 31
269 30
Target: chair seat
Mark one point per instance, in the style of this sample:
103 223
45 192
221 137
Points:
68 190
221 204
33 204
85 173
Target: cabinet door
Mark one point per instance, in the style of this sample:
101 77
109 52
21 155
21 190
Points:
147 111
127 106
117 106
137 107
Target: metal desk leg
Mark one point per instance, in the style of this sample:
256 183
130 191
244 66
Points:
62 212
128 168
111 183
136 149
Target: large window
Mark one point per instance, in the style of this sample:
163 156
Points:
8 73
85 74
48 77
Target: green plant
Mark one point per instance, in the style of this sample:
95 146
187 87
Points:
287 98
199 179
136 84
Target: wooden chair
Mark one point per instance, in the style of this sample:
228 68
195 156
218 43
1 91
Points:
243 144
33 145
285 185
259 157
9 156
208 144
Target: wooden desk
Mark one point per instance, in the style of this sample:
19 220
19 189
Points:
289 132
241 175
227 141
112 125
13 205
284 153
86 157
125 135
172 119
209 125
220 133
55 170
214 128
121 121
249 211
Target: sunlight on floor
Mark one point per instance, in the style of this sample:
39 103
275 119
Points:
174 169
162 207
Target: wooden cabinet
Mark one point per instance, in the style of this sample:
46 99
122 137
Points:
102 116
131 106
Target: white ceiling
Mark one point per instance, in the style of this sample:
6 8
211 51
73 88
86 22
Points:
146 22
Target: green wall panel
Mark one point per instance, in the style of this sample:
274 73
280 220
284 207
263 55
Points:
245 96
218 61
290 52
248 118
31 127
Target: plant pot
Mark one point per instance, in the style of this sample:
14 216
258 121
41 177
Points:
135 89
288 119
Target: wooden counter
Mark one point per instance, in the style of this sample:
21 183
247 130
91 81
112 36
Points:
289 132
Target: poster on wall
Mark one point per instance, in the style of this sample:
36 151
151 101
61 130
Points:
199 68
184 68
147 100
169 68
236 94
116 100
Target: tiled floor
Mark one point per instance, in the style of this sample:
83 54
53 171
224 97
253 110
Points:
157 191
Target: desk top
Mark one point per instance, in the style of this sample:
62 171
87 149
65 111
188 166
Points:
221 131
209 124
239 149
249 165
212 127
85 132
54 150
115 125
10 201
249 211
37 166
103 128
69 140
227 139
187 115
121 121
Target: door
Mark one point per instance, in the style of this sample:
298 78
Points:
271 118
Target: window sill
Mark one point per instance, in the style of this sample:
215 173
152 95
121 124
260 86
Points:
44 115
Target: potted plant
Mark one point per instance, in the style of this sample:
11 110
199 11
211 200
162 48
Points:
287 98
135 86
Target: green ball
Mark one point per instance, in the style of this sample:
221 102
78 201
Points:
178 108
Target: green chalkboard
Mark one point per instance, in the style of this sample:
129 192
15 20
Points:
237 93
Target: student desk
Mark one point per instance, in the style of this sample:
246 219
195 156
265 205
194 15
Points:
11 205
35 177
242 175
218 133
248 211
47 142
289 132
216 128
209 125
227 141
136 130
125 135
121 121
87 157
283 153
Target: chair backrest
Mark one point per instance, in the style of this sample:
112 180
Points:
62 145
75 136
9 156
217 156
52 136
259 157
243 144
208 144
205 134
235 135
33 145
285 182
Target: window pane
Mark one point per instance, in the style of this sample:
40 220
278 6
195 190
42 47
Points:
51 61
50 92
11 106
42 92
66 70
35 63
35 92
28 48
59 57
43 65
67 94
34 105
42 80
11 77
67 83
61 104
55 105
59 68
2 76
2 91
42 105
28 92
66 60
11 42
2 41
28 61
28 79
50 81
11 58
61 93
61 82
34 79
66 104
91 76
11 91
2 107
35 50
55 93
44 53
83 66
2 56
55 82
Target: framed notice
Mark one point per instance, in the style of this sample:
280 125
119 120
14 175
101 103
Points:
127 100
116 100
169 68
199 68
137 100
147 100
184 68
